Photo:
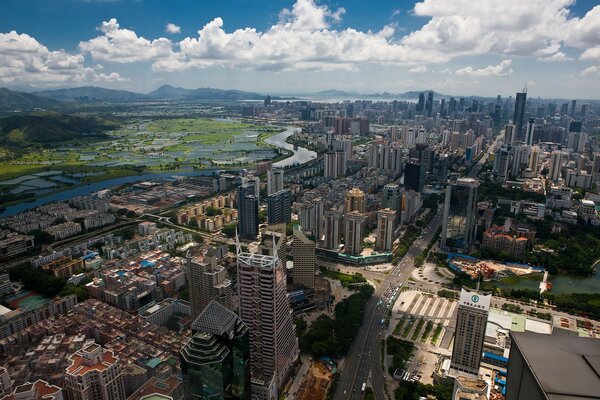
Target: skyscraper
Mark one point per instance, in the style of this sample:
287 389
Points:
274 180
519 116
429 104
414 175
460 214
555 165
216 361
247 203
573 106
311 217
421 103
332 229
208 281
529 132
330 169
279 207
353 232
355 201
303 250
471 319
596 169
509 134
386 220
273 242
265 309
391 197
94 373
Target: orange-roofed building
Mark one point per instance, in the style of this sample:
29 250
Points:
94 374
39 390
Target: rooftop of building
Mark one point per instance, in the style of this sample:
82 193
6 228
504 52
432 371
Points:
215 319
81 366
570 371
39 390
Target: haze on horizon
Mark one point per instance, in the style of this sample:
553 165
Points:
450 46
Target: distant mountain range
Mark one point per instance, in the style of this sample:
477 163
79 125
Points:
51 99
385 95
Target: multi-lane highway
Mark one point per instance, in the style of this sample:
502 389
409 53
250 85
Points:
363 365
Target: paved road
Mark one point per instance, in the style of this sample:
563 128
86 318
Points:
363 365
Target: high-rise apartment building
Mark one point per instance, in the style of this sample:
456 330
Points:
391 197
279 207
519 116
509 134
94 373
555 165
386 220
596 169
355 201
353 232
332 229
311 217
274 180
471 319
460 214
265 309
247 203
216 360
208 281
303 250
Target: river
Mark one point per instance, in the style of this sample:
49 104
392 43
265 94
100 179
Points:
301 155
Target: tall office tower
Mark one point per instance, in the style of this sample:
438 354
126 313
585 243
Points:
583 110
208 281
573 105
330 169
273 242
551 109
471 319
461 104
542 367
94 373
247 203
534 158
332 229
596 169
555 165
216 361
509 134
429 104
443 108
529 131
391 197
425 155
420 104
414 175
452 106
564 108
386 220
303 250
279 207
460 214
501 164
353 232
519 116
265 309
274 180
575 126
355 201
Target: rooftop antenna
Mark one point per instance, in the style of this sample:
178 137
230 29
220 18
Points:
525 87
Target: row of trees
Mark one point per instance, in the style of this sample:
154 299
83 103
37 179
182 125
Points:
333 337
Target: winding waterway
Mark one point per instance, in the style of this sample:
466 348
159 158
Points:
300 155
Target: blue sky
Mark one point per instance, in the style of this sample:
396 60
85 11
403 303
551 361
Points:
461 47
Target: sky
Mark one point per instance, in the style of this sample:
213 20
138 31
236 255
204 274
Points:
456 47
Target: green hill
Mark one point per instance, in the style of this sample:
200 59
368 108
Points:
52 128
11 100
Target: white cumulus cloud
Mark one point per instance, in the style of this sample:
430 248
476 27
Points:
421 69
172 28
502 69
24 59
